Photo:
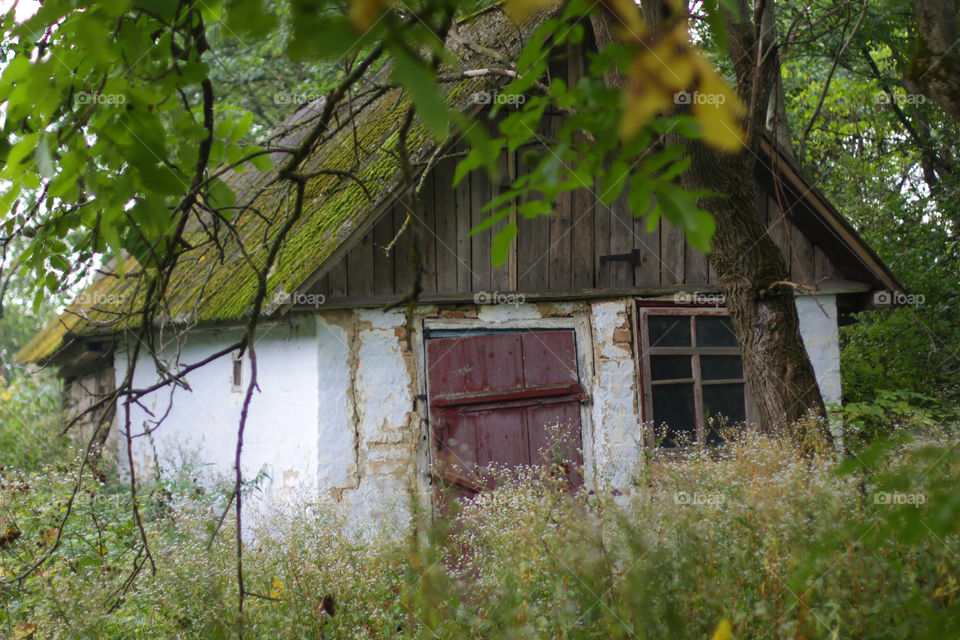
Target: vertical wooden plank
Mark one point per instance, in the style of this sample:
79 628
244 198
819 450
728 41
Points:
512 262
695 267
500 276
601 240
620 273
403 265
337 280
480 195
558 275
426 229
383 270
445 214
802 267
581 239
582 201
360 267
464 248
321 286
823 269
533 241
672 246
649 272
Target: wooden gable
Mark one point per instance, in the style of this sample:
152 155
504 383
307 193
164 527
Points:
585 248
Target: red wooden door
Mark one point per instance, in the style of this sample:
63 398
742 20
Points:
503 399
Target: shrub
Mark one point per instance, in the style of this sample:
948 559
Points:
778 545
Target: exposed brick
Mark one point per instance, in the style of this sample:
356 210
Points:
623 334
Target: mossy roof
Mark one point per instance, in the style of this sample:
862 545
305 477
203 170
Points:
211 284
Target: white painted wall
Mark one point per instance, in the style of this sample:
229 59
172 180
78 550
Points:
333 421
201 426
821 337
336 420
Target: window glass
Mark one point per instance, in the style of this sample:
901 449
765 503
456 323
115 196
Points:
720 367
669 331
724 400
715 331
673 405
670 367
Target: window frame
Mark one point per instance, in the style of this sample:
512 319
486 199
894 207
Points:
645 309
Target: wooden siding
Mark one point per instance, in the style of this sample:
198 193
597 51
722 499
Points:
567 251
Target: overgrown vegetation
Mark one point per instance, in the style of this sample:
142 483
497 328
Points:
778 545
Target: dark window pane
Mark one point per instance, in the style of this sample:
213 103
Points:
720 367
723 401
673 406
670 367
715 331
669 331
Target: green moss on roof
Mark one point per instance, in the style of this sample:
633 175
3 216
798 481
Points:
208 287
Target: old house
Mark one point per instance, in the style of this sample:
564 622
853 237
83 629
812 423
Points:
591 333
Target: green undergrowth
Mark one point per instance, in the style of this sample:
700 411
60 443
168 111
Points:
752 534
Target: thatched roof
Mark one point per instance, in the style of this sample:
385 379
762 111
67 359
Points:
207 286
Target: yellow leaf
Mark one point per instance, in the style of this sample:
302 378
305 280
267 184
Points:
631 25
673 61
520 10
24 629
276 588
723 632
718 110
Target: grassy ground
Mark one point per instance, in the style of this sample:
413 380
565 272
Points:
777 546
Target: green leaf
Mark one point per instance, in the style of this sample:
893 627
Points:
680 208
641 193
163 180
613 181
57 261
717 24
535 208
318 34
248 17
221 195
261 162
500 250
489 221
473 160
21 150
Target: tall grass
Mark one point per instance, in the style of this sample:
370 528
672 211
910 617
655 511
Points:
777 545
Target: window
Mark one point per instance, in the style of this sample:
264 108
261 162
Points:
691 374
236 373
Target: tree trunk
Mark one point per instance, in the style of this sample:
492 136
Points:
749 265
753 279
935 68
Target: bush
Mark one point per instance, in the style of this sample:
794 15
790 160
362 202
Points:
777 545
30 422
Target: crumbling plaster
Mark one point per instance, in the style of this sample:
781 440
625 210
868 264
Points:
340 415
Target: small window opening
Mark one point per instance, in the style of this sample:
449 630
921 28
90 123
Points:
236 378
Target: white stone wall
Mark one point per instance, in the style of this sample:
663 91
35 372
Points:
333 421
200 426
821 337
336 420
618 433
